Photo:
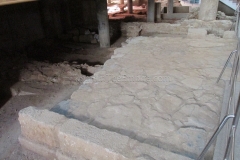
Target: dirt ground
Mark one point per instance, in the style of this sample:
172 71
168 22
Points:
37 88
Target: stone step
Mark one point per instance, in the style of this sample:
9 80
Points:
56 137
223 136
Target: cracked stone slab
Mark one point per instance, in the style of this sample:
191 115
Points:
77 140
175 104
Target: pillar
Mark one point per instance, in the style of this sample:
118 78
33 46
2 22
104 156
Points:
103 24
208 10
157 11
170 7
150 11
130 6
121 1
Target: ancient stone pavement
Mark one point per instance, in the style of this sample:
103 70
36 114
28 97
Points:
157 90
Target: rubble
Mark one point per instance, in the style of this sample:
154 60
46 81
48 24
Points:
223 16
193 14
62 73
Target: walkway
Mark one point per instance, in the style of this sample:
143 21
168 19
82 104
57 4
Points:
160 91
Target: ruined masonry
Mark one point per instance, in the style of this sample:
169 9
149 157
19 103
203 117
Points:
156 98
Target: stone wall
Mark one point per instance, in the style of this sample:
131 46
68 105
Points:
134 29
56 137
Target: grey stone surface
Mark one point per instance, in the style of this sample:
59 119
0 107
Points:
159 90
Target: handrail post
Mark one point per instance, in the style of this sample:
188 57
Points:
210 142
237 21
225 66
231 139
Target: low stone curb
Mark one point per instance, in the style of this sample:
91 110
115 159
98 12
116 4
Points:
55 137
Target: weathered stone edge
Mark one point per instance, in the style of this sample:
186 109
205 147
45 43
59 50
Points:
133 29
55 137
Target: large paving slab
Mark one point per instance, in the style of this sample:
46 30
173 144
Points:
160 91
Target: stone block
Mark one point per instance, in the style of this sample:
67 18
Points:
131 29
39 125
229 35
197 33
216 27
61 156
175 16
80 139
37 148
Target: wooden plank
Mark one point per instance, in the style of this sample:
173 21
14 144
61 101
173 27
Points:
8 2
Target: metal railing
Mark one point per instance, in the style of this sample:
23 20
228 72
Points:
233 109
